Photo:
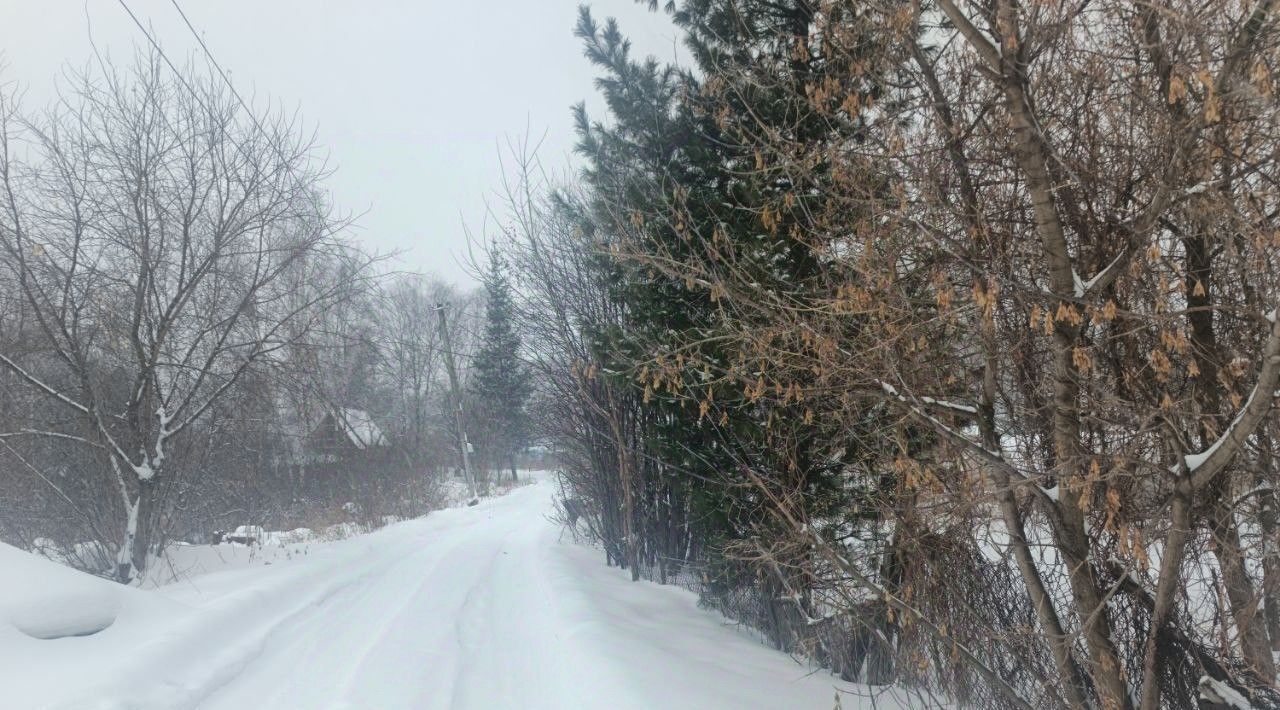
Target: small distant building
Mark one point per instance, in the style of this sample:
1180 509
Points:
344 434
345 450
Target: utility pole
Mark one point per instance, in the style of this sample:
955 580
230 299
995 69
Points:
463 443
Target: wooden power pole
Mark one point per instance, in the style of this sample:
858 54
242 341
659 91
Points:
463 443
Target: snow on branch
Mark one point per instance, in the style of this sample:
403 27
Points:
50 435
995 458
1205 465
1105 276
985 48
931 401
40 385
953 406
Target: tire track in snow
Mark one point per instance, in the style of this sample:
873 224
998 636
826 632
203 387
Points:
309 640
468 608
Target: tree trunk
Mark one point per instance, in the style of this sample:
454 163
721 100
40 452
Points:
139 529
1254 644
880 649
1030 153
125 556
1267 523
1240 592
1073 684
1166 590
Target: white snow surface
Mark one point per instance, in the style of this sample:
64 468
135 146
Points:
481 607
44 606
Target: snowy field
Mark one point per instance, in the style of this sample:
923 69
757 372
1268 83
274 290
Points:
478 607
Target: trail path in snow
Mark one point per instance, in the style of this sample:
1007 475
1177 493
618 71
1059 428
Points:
468 608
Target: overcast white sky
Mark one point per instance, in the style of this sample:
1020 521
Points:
411 98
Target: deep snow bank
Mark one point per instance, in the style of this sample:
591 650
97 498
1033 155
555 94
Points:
61 628
46 601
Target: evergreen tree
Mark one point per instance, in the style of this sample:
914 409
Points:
677 174
704 184
500 384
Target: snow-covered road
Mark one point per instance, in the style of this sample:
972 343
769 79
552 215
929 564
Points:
468 608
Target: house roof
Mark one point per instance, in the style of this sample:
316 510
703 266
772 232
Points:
359 427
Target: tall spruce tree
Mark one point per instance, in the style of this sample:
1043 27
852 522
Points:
501 382
668 178
684 171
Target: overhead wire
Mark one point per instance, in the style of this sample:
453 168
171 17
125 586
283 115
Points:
155 44
212 60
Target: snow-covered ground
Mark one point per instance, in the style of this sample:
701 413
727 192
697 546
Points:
478 607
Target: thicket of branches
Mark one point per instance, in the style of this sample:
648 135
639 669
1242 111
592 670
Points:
180 309
936 339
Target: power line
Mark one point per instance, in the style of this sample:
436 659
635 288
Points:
156 45
190 89
226 79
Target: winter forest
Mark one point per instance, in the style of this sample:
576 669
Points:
927 349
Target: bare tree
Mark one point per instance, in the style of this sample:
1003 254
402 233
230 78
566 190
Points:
413 361
157 232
